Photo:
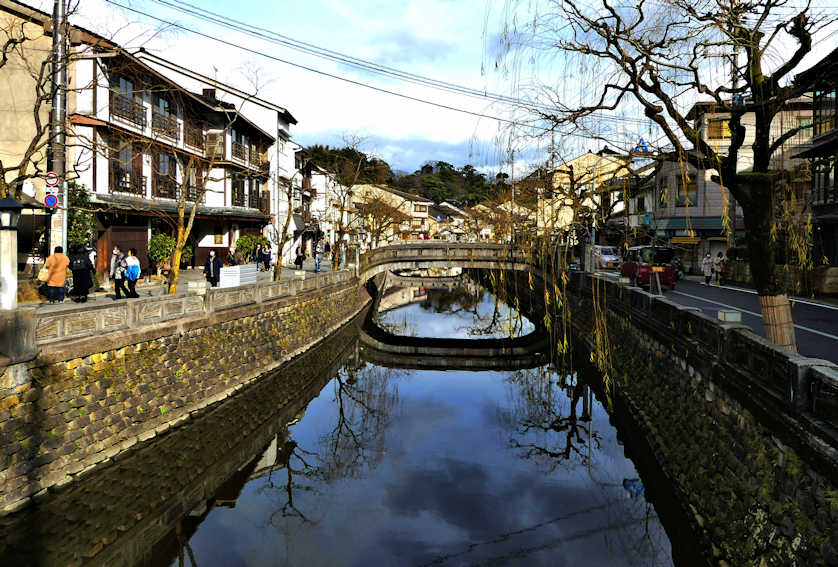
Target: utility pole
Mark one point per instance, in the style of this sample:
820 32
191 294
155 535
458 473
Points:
737 99
58 118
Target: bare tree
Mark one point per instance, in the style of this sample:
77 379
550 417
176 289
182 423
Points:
381 217
656 56
350 166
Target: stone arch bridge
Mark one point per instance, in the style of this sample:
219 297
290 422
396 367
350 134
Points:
430 254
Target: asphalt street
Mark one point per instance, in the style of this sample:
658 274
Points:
816 322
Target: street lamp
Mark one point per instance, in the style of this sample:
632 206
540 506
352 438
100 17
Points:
9 217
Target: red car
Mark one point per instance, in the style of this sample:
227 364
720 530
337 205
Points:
641 262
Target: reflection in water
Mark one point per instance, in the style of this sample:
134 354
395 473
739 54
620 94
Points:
470 312
370 465
442 468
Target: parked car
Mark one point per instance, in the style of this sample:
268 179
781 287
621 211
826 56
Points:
606 258
641 262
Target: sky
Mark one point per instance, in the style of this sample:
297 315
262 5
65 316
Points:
443 39
449 40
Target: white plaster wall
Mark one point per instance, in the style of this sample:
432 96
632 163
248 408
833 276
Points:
216 194
83 78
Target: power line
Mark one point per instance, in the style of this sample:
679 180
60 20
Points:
335 56
339 57
352 81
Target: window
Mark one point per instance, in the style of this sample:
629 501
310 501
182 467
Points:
126 166
239 145
805 127
687 191
420 208
215 145
824 112
237 190
641 205
824 181
165 171
126 102
163 117
718 129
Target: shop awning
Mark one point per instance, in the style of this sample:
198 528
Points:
695 223
685 240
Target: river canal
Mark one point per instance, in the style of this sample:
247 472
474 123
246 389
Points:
371 465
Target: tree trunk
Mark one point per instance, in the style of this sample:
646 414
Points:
759 208
176 255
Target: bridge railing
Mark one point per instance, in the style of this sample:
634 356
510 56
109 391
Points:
91 320
440 251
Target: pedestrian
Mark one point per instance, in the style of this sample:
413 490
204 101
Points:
341 255
707 268
718 266
266 257
82 269
318 256
298 261
117 273
132 272
212 268
234 258
57 265
328 250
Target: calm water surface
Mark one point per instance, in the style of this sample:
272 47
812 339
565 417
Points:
397 467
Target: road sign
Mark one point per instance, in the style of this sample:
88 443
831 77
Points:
50 201
52 179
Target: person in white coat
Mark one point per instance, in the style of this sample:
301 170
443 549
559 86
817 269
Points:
707 268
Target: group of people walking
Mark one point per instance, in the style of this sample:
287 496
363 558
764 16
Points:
319 251
712 268
124 272
124 269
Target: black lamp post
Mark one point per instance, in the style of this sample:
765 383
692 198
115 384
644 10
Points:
9 213
9 218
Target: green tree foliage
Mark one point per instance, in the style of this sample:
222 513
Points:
162 246
350 164
441 181
160 249
81 221
248 244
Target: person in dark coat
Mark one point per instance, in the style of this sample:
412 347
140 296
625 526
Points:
82 270
212 268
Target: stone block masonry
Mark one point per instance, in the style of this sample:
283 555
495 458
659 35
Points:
96 394
124 513
743 433
720 414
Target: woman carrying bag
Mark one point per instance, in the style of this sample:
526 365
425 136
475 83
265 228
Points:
132 272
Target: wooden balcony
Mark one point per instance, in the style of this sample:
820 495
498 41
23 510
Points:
259 201
193 137
192 194
164 187
240 151
164 125
238 199
215 147
127 109
125 181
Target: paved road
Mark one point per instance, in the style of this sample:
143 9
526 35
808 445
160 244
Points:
816 322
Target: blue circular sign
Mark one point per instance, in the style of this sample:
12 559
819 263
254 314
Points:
50 201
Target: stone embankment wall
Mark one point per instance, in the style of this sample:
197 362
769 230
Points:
125 513
744 432
107 378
